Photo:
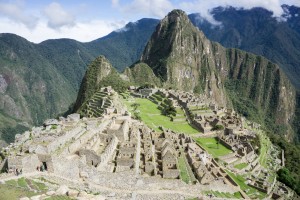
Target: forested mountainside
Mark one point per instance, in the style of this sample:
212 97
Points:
40 81
257 31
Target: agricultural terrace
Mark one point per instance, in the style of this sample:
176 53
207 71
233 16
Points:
212 147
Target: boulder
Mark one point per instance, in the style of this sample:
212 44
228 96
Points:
24 198
72 193
82 194
37 197
50 193
84 175
62 190
99 197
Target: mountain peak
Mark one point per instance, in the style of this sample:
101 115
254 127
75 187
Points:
177 13
176 17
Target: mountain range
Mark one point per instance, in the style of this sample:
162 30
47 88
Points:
179 56
40 81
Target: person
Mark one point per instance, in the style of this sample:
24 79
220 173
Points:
17 172
20 171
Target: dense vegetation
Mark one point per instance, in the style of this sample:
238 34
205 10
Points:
43 79
257 31
290 175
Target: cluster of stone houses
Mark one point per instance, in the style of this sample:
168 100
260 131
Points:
82 148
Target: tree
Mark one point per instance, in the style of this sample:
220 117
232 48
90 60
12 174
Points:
135 106
285 176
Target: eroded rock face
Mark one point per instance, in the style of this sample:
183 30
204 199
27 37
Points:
3 84
9 105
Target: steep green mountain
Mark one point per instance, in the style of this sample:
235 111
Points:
32 88
40 81
257 31
125 46
69 57
141 74
185 59
100 73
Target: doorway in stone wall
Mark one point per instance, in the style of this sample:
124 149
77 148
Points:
45 166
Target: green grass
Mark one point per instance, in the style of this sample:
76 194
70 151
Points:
227 195
211 146
12 192
241 165
153 118
264 147
186 173
251 192
22 182
12 182
41 186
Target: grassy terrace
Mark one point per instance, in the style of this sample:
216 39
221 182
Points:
241 165
186 173
153 118
265 146
250 191
226 195
211 146
22 187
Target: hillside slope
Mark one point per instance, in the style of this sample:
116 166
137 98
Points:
257 31
32 88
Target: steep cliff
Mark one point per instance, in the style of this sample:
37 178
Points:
183 58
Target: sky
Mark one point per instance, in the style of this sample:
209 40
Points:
39 20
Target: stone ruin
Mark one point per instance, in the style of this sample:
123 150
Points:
113 143
78 148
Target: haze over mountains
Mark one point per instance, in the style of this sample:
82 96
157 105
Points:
39 81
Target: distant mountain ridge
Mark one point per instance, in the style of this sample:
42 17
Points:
40 81
59 65
257 31
181 57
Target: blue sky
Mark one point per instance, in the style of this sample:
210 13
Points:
38 20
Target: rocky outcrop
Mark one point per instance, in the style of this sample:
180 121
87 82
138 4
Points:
183 58
140 74
97 70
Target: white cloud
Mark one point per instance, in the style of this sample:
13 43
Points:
152 8
58 17
115 3
82 31
205 6
15 12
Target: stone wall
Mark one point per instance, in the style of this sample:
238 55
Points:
66 168
171 173
15 162
69 135
79 143
30 163
92 159
108 152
